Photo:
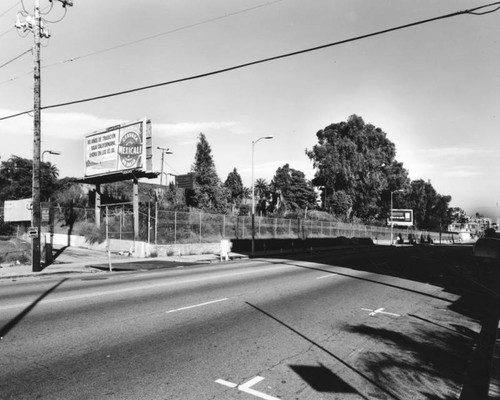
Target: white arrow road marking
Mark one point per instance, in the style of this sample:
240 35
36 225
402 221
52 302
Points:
379 311
247 387
197 305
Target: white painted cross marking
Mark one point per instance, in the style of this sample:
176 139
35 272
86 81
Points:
226 383
379 311
247 387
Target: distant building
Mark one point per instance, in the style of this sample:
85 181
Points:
471 229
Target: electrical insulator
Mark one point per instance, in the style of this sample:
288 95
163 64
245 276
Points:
65 3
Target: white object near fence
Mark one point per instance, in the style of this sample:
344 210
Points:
225 248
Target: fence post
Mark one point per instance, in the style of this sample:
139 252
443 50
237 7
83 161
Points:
224 226
156 222
175 227
200 227
149 222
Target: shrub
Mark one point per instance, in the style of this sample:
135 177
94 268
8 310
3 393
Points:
92 233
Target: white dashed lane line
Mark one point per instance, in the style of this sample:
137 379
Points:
332 275
197 305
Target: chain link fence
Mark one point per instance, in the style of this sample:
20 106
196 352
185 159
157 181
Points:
176 227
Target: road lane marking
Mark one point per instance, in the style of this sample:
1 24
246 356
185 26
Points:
226 383
197 305
327 276
247 387
143 287
379 311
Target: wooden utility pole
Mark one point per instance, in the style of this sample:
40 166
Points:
36 211
39 29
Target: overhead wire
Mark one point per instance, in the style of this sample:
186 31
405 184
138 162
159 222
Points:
15 58
7 31
121 45
206 21
472 11
10 8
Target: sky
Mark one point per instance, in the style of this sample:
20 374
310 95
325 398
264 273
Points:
433 88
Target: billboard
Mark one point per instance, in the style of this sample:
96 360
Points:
17 210
119 148
401 217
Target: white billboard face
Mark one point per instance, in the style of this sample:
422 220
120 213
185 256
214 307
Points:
119 148
17 210
402 217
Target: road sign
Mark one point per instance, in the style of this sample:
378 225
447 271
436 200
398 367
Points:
45 215
33 232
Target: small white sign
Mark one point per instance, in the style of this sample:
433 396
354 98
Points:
33 232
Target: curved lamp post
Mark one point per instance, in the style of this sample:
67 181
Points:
254 142
54 152
163 151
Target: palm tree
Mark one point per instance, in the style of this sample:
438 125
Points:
261 187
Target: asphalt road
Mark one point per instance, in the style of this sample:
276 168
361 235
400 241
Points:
268 329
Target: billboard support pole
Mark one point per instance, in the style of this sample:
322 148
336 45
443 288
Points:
135 201
97 205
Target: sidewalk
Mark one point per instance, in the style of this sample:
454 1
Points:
68 264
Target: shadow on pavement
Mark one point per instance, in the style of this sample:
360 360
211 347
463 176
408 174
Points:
12 323
321 379
143 266
452 268
338 359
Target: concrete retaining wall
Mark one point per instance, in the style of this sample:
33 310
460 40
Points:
138 249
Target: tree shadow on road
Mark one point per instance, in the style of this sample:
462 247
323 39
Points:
454 269
423 360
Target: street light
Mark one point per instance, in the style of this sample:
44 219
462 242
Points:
392 222
54 152
254 142
163 151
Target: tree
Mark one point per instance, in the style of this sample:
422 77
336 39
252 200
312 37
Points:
16 179
236 189
209 194
356 168
458 215
261 188
431 210
296 193
69 198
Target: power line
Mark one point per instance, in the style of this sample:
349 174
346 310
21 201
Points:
7 31
15 58
6 11
472 11
126 44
